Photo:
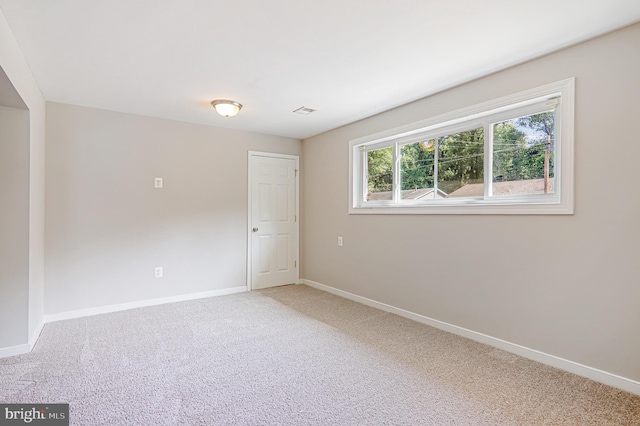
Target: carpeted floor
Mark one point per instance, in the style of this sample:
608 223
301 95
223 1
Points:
293 356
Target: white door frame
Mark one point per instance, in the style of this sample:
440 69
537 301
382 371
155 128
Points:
249 204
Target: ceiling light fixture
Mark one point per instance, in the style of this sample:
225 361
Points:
226 108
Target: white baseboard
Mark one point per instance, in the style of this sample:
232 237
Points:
551 360
26 348
140 304
15 350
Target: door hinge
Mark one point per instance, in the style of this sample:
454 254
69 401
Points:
295 218
296 172
295 263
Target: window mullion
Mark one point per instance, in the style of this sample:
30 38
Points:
364 180
488 160
436 148
396 173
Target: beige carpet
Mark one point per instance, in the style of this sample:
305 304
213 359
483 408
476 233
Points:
293 356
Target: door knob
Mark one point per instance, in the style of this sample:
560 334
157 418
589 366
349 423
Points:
255 229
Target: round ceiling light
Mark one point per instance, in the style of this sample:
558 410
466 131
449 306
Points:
226 108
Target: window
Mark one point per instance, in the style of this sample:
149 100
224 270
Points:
513 155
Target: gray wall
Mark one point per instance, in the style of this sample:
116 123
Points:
14 226
564 285
107 227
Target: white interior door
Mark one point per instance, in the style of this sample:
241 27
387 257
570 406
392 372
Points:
273 220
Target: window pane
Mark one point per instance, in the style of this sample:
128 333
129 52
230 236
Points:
416 171
461 164
380 174
523 155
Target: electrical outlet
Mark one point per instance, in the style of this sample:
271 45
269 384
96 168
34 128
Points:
158 183
340 242
159 272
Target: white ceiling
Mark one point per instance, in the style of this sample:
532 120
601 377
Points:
348 59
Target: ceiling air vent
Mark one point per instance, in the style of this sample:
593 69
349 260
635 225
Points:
304 110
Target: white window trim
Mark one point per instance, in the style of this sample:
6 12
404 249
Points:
562 202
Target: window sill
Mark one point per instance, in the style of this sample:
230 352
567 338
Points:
497 207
